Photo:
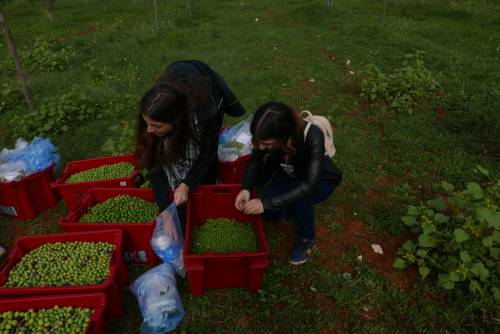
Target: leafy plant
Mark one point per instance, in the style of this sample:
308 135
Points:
49 55
56 115
403 89
10 97
121 140
458 238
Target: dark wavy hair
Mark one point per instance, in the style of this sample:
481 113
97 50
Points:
168 101
276 120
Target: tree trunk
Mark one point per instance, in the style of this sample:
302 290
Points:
19 67
49 8
385 12
157 19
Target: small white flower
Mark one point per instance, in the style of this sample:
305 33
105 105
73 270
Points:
311 80
333 58
355 213
360 258
275 48
351 72
283 84
256 19
348 62
313 289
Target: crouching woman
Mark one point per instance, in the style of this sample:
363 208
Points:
289 152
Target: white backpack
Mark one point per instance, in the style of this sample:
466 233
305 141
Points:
324 124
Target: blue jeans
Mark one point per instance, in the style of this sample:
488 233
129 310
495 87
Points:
302 212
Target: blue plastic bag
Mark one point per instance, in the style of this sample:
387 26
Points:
159 300
37 155
168 248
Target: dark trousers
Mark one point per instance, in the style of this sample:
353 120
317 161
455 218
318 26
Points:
302 212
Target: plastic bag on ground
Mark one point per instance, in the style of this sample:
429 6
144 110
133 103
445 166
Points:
159 300
165 245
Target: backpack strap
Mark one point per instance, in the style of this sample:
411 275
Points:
306 130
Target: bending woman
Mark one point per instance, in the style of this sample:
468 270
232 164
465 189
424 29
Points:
178 129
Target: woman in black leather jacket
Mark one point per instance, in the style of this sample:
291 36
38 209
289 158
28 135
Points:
301 174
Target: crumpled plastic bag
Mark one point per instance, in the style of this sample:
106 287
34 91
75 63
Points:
163 244
159 300
11 171
235 142
29 158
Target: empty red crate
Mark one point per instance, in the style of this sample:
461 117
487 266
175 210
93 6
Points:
232 171
26 198
72 193
136 236
96 301
118 277
222 270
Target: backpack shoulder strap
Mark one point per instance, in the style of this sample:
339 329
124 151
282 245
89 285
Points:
306 130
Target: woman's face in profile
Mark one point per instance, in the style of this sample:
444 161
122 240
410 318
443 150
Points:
268 145
159 129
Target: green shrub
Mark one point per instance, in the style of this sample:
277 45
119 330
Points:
121 140
458 238
404 88
56 115
10 97
48 56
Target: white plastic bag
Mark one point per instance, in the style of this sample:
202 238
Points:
235 142
11 171
28 157
164 245
159 300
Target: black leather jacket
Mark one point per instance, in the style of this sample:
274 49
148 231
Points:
310 165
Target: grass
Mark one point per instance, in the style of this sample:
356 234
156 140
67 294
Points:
271 50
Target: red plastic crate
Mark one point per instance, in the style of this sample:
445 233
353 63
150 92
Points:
232 171
118 277
96 301
222 270
26 198
136 235
72 193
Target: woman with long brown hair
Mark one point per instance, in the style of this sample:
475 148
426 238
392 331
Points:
291 153
178 129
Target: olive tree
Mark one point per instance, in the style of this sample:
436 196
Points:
15 57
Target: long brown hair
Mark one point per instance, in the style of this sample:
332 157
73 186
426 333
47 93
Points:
169 101
276 120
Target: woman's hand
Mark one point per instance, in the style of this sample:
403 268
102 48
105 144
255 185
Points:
181 194
241 199
253 207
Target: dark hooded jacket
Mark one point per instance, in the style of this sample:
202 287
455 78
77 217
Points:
210 114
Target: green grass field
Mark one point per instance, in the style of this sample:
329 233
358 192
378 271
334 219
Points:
312 57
